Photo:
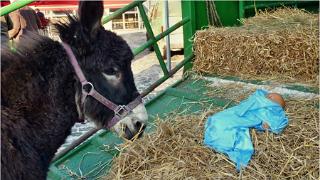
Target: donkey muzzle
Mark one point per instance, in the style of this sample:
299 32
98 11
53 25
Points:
134 123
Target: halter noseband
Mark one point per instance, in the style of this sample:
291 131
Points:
120 111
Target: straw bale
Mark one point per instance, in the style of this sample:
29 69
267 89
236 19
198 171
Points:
176 150
282 45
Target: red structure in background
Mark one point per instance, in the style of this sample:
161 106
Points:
73 5
54 10
69 5
4 2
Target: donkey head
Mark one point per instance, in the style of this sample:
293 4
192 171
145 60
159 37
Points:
105 60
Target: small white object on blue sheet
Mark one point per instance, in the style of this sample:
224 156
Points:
228 131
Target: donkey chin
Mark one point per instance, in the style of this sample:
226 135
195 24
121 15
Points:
132 126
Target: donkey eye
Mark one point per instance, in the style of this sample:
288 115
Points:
111 71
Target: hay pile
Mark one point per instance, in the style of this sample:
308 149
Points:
175 151
282 45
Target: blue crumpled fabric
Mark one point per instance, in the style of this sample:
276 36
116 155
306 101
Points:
228 131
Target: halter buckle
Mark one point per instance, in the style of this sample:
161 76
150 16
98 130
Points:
121 111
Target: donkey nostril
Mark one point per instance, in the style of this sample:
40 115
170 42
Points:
140 128
128 133
138 125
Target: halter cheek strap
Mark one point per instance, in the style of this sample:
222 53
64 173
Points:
120 111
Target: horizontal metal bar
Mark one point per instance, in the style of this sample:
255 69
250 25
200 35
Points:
271 5
164 78
75 143
14 6
138 50
121 11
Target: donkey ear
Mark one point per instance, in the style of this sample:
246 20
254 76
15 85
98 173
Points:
90 14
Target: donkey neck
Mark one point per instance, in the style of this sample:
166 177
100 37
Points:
61 89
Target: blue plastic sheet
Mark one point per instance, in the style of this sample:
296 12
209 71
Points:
228 131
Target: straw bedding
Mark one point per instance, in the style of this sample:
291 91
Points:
176 150
282 45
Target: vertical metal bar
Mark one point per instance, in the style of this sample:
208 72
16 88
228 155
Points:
166 26
197 12
151 35
188 10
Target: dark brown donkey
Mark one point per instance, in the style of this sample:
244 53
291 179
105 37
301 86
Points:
40 93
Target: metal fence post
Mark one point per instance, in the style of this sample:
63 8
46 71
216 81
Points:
197 12
166 26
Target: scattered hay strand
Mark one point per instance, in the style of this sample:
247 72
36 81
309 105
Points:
176 150
282 45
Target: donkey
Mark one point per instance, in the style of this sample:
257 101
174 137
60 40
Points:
40 93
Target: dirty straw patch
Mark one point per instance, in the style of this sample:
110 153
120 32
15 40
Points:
281 45
176 150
